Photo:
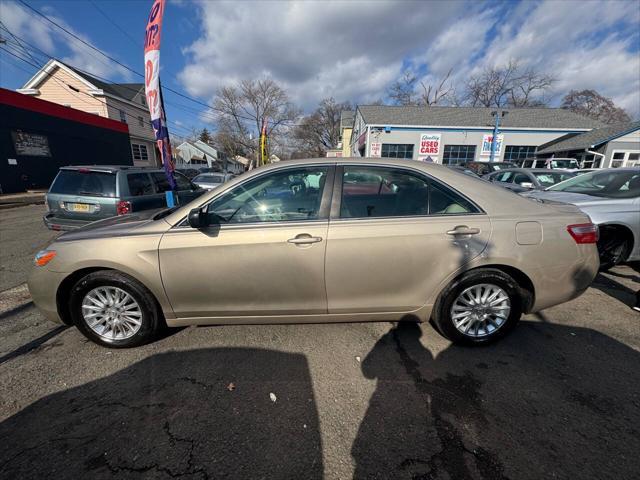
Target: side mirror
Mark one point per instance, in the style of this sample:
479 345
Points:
198 218
526 185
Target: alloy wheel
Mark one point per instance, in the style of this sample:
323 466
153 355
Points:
111 313
480 310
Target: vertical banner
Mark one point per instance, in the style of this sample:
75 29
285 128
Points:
153 90
263 142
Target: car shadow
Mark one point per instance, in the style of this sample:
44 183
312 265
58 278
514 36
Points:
614 289
212 413
547 401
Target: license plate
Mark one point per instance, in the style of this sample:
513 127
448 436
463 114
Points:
79 207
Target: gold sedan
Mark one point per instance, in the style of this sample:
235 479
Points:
338 240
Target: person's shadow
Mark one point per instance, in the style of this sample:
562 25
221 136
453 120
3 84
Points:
212 413
547 401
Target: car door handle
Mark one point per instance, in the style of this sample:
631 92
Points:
303 239
463 230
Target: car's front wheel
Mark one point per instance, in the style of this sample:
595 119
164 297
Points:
479 307
114 310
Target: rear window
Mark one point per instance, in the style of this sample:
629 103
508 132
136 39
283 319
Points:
81 182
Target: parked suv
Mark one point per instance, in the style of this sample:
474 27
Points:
83 194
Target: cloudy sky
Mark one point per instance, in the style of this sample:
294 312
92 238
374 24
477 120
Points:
350 50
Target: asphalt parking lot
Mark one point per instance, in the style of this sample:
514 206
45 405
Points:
558 398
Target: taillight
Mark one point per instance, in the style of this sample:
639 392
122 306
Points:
123 207
584 232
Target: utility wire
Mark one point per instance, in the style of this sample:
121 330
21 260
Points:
134 71
112 22
72 93
47 56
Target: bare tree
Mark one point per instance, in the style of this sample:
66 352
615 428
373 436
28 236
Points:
593 105
405 91
433 95
320 131
508 86
242 110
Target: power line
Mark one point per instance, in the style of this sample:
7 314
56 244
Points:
112 22
47 56
134 71
73 94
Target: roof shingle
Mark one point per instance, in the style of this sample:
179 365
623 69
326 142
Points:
588 140
475 117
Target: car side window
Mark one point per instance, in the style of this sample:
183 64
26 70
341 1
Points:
139 184
182 182
286 195
521 178
160 181
503 176
445 201
382 192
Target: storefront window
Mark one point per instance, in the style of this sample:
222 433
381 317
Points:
518 152
397 150
455 154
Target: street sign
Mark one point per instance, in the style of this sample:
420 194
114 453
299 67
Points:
376 150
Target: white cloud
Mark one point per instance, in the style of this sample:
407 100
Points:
48 38
355 50
348 50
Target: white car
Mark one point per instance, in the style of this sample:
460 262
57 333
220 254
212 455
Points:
611 197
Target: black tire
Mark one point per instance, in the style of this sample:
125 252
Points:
151 318
442 309
614 247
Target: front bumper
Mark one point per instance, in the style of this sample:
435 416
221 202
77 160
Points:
53 222
43 286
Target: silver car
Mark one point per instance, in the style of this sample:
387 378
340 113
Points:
611 197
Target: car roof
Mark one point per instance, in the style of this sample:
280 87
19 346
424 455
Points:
533 170
111 168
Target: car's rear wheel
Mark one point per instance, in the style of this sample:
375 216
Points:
479 307
614 246
114 310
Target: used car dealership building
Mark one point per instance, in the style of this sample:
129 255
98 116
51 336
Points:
454 135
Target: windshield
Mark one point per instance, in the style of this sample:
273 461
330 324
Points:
84 182
607 183
569 163
208 178
547 179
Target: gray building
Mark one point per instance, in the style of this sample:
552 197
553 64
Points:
453 135
610 146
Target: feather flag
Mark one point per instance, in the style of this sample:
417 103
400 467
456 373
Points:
153 90
263 143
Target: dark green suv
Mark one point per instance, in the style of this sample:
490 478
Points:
83 194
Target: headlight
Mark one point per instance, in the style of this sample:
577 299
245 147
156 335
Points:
43 257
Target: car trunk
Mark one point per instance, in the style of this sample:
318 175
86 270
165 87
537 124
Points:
83 194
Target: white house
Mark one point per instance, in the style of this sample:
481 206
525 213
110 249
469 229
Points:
200 153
